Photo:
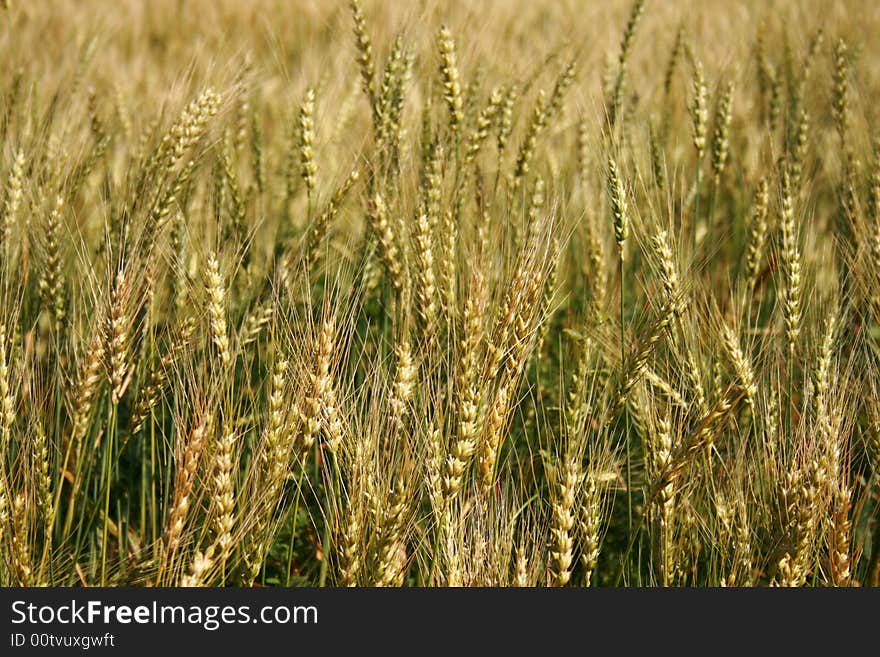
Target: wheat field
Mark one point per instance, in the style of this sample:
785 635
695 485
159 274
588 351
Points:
504 293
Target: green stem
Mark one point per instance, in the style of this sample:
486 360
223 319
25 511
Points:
108 476
790 389
332 495
697 207
293 527
629 509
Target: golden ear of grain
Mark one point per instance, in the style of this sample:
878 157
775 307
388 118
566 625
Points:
791 258
619 207
567 478
307 139
721 135
365 52
216 289
699 110
450 78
